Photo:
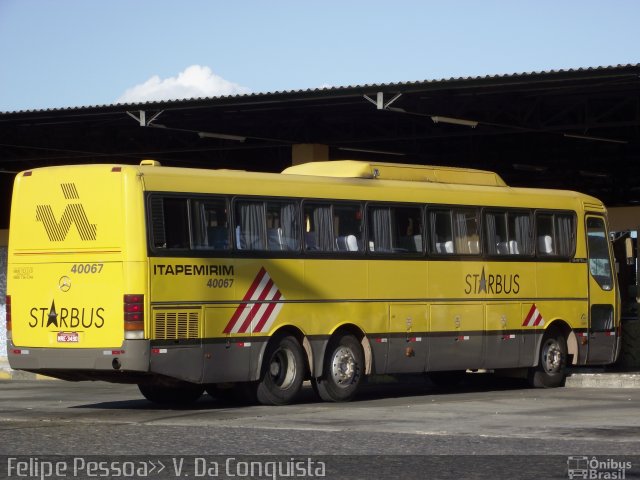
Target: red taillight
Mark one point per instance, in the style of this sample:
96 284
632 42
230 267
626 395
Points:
8 305
133 307
133 312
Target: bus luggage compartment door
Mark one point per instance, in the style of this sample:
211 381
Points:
456 337
407 341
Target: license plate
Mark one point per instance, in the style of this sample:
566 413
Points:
68 337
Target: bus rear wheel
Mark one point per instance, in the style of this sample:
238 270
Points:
343 370
180 395
551 369
283 372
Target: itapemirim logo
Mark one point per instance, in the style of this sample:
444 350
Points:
73 214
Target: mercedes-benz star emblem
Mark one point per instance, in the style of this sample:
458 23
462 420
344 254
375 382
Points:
64 283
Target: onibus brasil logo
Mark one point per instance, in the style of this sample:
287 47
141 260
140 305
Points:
594 468
73 214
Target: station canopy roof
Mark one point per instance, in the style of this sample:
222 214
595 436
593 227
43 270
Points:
572 129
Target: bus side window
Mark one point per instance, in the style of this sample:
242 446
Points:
283 226
565 234
466 234
347 227
555 234
318 234
409 223
442 232
156 214
380 229
210 228
508 233
395 229
496 236
520 233
176 223
250 225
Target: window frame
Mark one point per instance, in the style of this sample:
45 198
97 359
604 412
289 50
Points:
300 203
420 207
331 203
556 257
507 211
431 209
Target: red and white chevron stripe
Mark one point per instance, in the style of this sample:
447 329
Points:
533 318
259 308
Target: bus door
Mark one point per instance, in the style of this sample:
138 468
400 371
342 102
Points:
602 294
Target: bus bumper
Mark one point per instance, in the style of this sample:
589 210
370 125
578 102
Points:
81 363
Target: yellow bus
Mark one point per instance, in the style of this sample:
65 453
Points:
185 280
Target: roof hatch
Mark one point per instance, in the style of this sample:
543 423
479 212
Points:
397 171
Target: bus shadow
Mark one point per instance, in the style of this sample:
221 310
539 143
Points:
419 385
377 388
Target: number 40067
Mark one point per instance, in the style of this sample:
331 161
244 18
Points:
87 268
220 282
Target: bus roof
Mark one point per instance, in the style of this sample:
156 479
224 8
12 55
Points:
397 171
348 179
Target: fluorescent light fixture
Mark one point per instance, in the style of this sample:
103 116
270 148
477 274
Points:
597 139
454 121
586 173
524 167
364 150
222 136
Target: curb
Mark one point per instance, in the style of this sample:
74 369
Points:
603 380
7 373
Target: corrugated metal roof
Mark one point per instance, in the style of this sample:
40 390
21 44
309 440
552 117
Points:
348 89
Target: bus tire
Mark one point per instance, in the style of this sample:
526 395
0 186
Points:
180 395
552 362
283 372
343 370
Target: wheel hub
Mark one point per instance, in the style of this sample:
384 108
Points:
552 357
282 368
343 366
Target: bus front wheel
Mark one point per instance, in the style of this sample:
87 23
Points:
283 372
552 362
180 395
343 370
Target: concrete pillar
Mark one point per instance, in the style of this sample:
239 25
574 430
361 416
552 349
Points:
309 152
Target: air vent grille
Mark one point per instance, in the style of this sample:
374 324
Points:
176 325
